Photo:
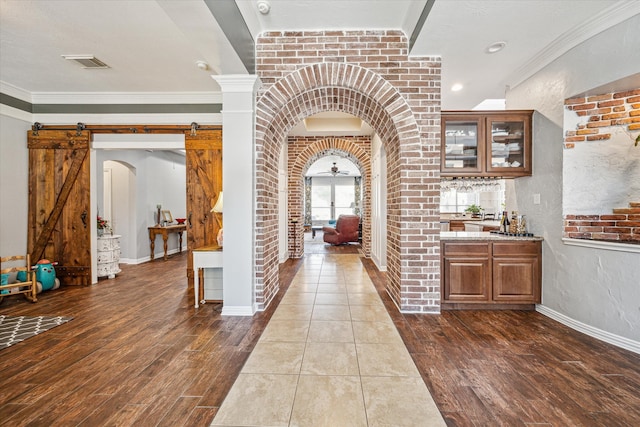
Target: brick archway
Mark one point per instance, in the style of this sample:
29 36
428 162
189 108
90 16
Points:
363 93
313 150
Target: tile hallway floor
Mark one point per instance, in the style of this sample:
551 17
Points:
330 356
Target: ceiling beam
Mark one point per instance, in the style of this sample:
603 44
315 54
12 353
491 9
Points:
228 16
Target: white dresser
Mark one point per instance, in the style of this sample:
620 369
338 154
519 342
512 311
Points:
108 255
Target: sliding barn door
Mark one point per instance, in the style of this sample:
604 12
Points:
59 205
204 184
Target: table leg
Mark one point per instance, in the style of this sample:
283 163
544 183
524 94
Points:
196 284
152 240
165 238
180 247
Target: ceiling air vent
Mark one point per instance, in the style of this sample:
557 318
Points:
87 61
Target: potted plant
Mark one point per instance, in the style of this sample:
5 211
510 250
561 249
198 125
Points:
103 226
474 210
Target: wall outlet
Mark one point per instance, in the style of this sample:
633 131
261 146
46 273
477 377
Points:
536 199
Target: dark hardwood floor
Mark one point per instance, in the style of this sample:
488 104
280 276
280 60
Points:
517 368
138 354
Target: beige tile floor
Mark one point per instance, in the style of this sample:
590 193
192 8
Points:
330 356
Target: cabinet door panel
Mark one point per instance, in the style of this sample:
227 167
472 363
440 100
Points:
467 279
462 149
509 144
516 280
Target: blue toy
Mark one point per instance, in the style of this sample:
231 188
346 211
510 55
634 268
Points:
45 275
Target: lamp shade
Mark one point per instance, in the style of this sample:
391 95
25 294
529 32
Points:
218 206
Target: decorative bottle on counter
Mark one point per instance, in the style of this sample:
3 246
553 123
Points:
504 222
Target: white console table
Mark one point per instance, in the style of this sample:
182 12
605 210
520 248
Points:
205 257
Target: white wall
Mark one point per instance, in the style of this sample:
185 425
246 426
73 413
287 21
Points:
283 206
617 161
378 204
14 185
123 202
596 290
160 178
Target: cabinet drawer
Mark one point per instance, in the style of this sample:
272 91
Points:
466 249
523 248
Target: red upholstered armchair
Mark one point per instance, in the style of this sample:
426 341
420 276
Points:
346 230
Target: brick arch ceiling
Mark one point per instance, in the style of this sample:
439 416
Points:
328 146
307 91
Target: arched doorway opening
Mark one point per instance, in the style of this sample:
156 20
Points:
119 207
312 151
332 187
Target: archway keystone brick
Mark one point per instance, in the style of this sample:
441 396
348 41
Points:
397 96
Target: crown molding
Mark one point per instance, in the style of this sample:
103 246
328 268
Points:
15 92
610 17
111 97
15 113
126 97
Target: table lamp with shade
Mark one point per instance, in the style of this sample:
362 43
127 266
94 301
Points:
217 209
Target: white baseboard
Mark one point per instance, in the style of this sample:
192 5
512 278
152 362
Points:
237 310
158 255
605 336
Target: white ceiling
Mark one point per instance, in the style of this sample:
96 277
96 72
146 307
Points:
153 45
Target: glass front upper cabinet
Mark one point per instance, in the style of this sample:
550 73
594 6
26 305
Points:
462 152
510 147
486 143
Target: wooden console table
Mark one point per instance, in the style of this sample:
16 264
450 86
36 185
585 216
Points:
204 257
165 231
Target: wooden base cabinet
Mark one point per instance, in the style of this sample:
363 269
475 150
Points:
468 272
491 274
517 272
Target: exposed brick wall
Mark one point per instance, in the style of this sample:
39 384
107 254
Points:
623 228
603 112
303 152
367 74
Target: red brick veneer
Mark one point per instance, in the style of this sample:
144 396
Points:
604 111
367 74
623 228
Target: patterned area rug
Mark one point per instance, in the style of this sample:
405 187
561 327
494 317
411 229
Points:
14 329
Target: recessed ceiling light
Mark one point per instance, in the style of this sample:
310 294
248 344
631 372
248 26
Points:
495 47
457 87
202 65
